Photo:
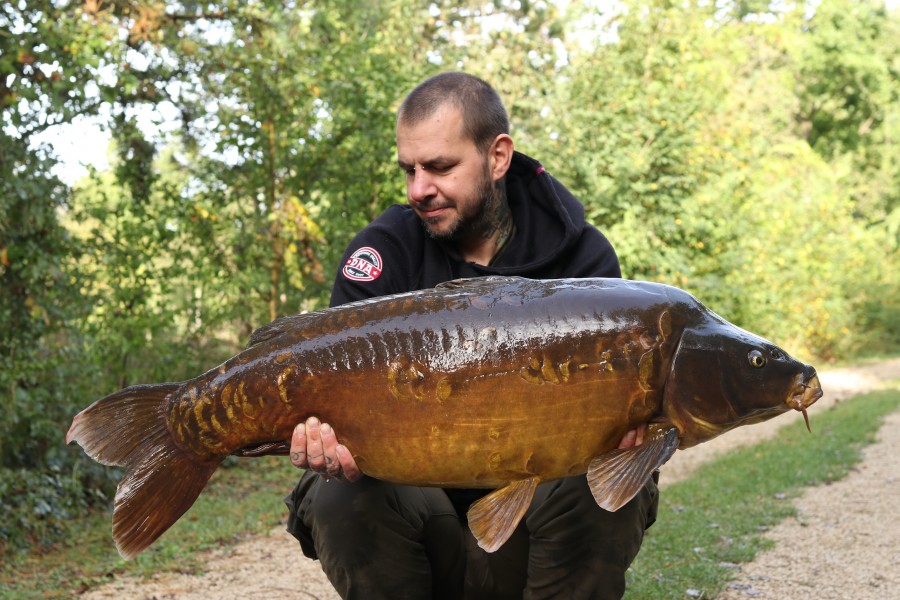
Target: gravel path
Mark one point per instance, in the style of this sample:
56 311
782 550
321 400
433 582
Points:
826 552
844 542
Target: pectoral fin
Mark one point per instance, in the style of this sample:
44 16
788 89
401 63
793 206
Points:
616 476
494 518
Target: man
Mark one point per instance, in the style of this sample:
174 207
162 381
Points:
476 207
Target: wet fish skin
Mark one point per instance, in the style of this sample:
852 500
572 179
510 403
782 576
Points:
452 366
493 382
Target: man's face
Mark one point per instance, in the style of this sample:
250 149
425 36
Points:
448 182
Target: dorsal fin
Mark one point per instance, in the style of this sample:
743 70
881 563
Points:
495 517
279 326
476 283
290 322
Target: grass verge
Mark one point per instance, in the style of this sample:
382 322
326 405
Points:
714 520
241 500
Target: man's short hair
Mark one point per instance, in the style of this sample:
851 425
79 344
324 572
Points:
484 117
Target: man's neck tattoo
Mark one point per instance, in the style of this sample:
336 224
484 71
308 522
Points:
502 226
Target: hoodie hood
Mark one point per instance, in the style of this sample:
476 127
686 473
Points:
548 220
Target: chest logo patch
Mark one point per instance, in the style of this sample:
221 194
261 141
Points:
363 265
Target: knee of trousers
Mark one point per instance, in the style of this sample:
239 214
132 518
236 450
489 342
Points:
579 550
565 510
327 512
295 504
570 500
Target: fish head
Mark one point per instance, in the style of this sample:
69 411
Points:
722 377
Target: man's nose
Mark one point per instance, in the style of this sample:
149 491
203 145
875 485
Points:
420 185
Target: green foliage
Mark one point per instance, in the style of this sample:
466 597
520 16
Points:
646 136
685 148
714 520
49 52
141 284
846 64
296 127
40 504
800 275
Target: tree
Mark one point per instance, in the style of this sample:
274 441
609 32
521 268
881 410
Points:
642 135
48 52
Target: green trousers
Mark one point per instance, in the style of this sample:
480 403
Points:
380 540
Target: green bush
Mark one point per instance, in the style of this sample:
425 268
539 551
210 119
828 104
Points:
44 483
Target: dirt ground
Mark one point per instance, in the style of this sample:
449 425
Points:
827 552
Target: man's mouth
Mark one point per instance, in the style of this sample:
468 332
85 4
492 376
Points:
432 212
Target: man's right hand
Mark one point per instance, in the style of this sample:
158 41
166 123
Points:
314 446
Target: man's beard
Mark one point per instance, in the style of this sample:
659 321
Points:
480 224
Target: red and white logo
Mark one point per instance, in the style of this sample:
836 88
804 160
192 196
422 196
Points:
364 265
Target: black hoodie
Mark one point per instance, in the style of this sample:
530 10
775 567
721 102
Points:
395 254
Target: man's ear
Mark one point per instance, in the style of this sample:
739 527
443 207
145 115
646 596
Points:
500 156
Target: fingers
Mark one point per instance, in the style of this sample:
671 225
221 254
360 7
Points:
348 464
628 439
635 437
315 455
641 432
329 450
298 447
315 446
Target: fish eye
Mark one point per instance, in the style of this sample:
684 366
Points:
757 359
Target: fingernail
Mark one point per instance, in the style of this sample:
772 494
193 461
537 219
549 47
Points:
326 428
312 422
300 429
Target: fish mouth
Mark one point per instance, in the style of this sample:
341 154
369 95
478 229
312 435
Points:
805 394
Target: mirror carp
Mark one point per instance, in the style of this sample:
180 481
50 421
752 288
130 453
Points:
496 382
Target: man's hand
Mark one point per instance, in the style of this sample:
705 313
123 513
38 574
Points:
314 446
635 437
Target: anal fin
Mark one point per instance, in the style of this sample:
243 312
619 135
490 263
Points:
617 476
266 449
495 517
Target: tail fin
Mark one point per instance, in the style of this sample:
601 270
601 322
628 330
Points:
161 481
